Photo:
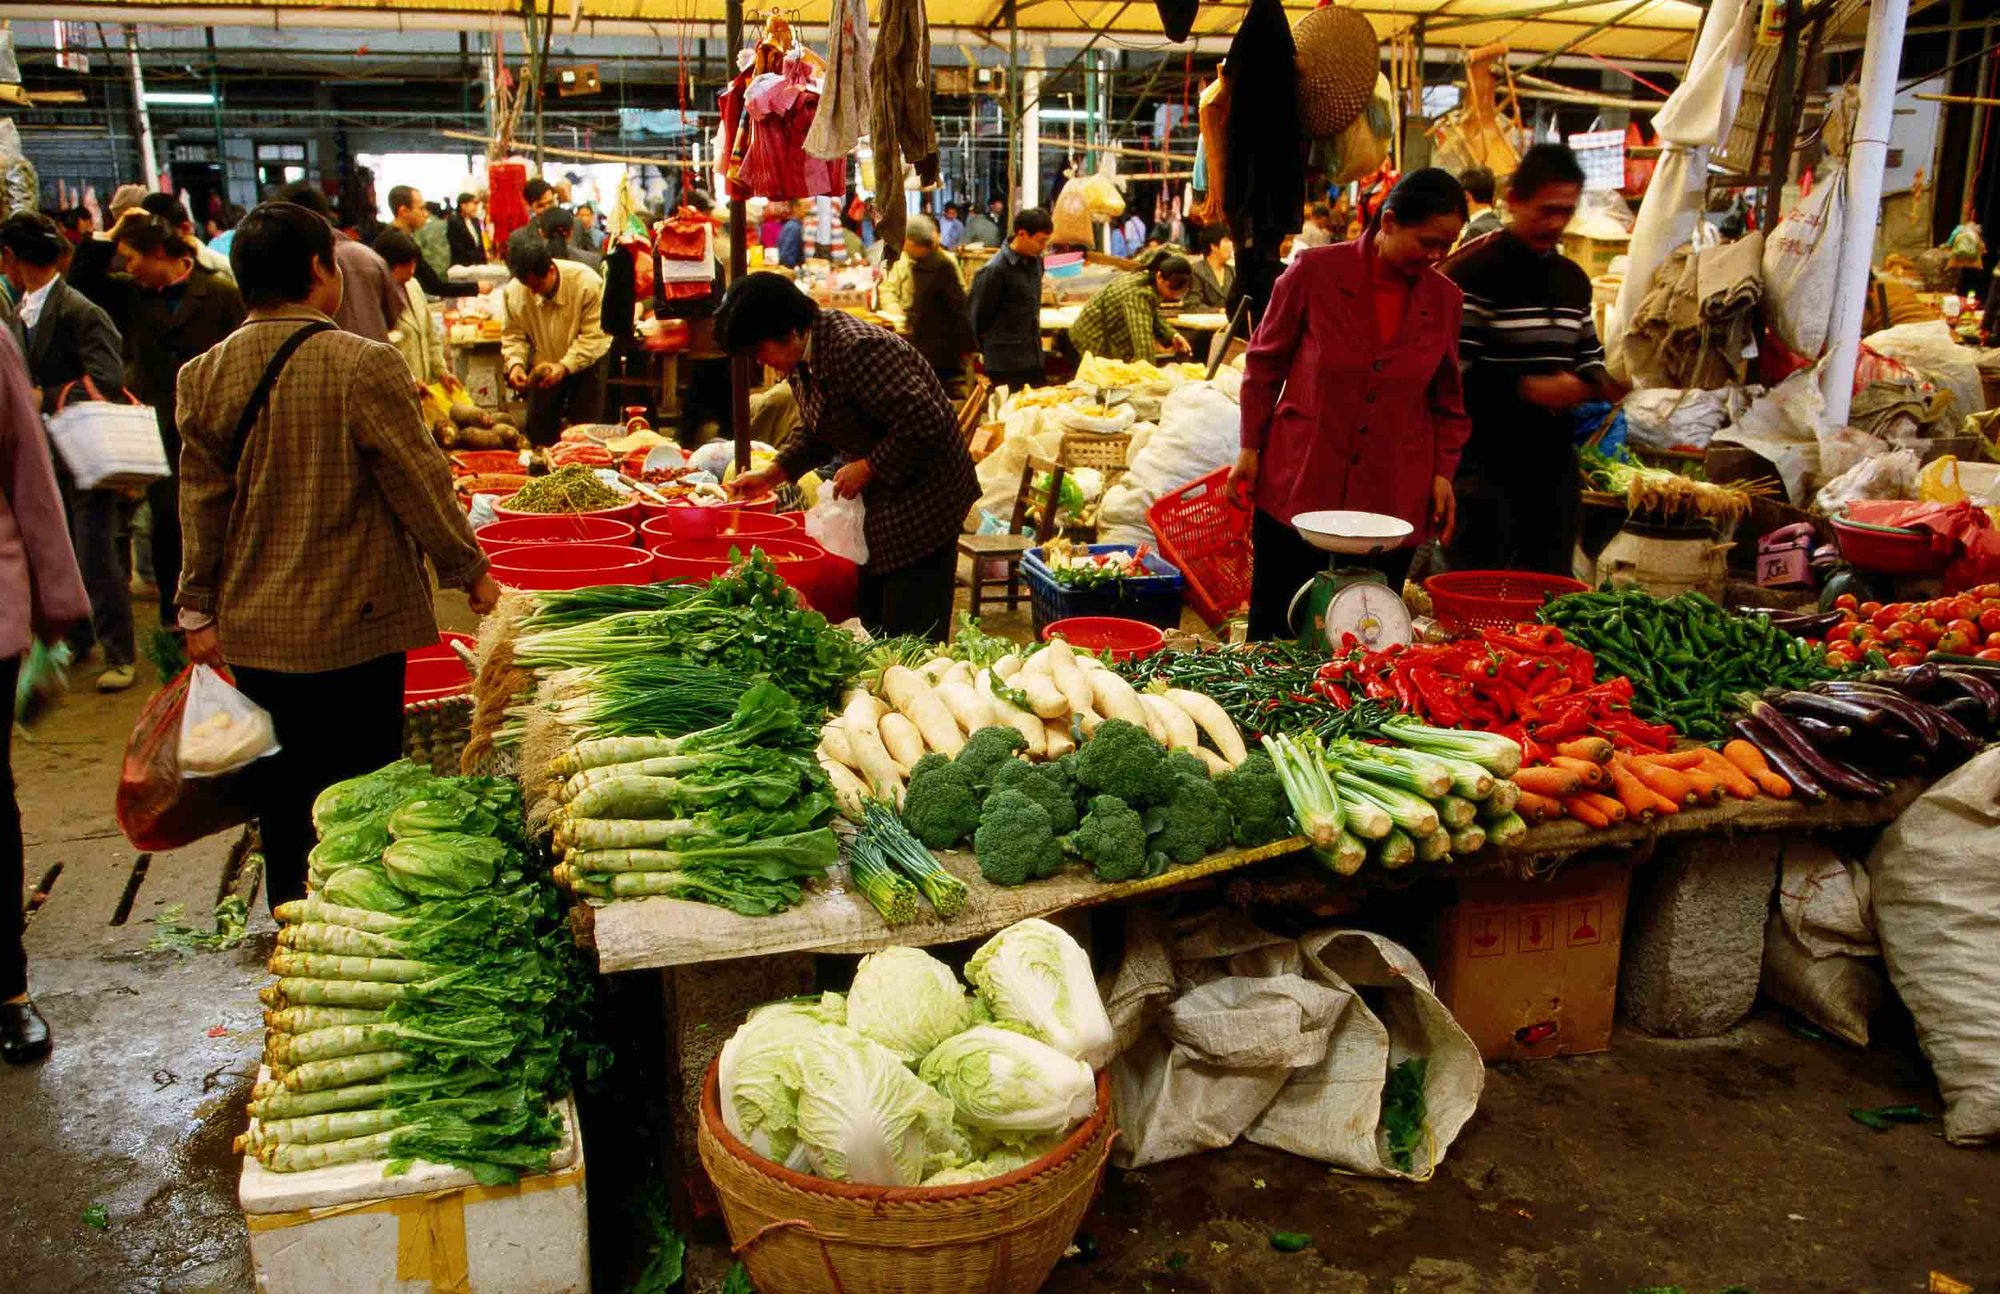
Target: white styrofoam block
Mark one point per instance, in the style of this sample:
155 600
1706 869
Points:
531 1240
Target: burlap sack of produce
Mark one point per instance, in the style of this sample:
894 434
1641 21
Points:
1334 1110
1203 1065
1936 894
1821 958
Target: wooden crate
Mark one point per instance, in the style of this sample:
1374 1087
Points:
1594 254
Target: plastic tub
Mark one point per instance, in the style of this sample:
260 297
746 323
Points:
798 562
1124 639
1154 598
497 537
1892 550
727 523
762 503
627 512
431 673
572 566
464 461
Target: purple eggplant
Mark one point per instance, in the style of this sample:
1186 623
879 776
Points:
1979 689
1823 734
1954 733
1779 757
1914 715
1911 680
1966 710
1830 772
1830 709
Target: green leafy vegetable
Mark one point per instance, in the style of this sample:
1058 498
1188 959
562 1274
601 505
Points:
228 929
1404 1113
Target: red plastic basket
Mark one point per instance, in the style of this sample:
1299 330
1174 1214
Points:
1207 538
1124 639
1466 600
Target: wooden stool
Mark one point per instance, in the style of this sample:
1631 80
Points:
1011 547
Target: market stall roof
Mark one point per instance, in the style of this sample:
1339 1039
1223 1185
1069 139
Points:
1630 29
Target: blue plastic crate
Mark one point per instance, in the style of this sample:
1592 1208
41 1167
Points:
1154 599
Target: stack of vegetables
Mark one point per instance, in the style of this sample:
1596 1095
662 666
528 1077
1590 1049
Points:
1414 794
427 994
1527 683
1262 687
908 1080
1845 736
1123 804
1965 625
1049 698
1687 658
1601 786
733 814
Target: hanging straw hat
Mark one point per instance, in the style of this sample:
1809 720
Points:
1339 58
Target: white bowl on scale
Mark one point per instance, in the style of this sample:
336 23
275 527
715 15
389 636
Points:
1341 531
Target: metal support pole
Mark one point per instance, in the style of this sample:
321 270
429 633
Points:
739 365
1031 130
1015 200
149 161
1866 156
1783 118
215 108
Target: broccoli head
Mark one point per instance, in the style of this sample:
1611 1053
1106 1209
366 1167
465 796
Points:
929 761
1180 761
1258 808
986 750
1015 842
1192 823
1112 839
1122 759
941 807
1044 785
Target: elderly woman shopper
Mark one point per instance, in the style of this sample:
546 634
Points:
933 298
310 496
867 397
1351 394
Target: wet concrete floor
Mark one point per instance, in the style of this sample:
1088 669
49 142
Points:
1704 1165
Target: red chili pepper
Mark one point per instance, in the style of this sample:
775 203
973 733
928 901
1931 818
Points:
1436 696
1378 688
1337 694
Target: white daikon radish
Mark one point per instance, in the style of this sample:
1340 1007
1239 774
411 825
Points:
1168 725
911 693
1007 666
1216 763
848 790
1221 729
960 673
937 667
1013 716
1116 699
1088 723
972 710
1063 669
902 740
833 740
1044 697
1060 742
864 739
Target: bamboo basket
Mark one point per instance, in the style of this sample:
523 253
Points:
802 1235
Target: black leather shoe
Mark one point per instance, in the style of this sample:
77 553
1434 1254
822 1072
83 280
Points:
24 1035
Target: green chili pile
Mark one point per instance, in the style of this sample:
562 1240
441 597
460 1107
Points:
567 489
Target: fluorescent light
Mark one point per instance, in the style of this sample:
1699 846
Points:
1066 114
180 98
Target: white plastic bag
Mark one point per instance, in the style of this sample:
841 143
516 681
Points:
222 730
841 526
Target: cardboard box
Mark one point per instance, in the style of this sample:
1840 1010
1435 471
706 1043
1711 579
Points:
1594 254
1530 968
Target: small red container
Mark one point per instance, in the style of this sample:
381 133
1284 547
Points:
572 566
727 523
1892 550
1124 639
432 673
762 503
468 461
497 537
798 562
626 512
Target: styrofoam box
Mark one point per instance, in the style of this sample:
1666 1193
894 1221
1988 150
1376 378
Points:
532 1238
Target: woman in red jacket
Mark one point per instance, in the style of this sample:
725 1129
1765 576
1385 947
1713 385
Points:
1351 393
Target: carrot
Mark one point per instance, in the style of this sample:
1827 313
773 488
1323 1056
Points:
1751 760
1670 784
1588 771
1594 749
1579 807
1537 808
1604 804
1679 760
1638 798
1556 782
1705 783
1731 777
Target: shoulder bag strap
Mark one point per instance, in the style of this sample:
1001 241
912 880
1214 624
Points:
262 393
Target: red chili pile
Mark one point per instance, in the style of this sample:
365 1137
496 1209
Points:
1528 683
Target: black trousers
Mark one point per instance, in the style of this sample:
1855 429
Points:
164 497
332 726
1014 379
13 959
1281 561
577 398
1519 521
913 599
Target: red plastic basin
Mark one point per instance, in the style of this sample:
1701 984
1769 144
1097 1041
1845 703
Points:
762 503
430 673
728 523
1892 550
1124 639
626 512
798 561
465 461
497 537
572 566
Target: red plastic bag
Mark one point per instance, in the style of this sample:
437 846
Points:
157 807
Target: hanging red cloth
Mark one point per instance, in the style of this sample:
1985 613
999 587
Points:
506 200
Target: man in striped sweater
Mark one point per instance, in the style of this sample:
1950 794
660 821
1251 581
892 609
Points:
1530 356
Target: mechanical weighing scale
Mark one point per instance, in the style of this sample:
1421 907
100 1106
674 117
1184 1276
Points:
1350 599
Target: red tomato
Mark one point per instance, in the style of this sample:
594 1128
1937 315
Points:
1838 659
1928 631
1989 621
1896 633
1954 643
1964 625
1884 617
1993 639
1862 633
1870 608
1906 658
1847 602
1990 653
